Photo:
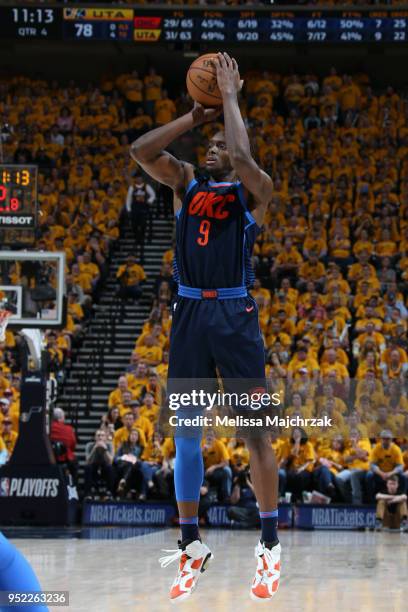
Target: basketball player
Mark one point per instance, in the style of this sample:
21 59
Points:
215 320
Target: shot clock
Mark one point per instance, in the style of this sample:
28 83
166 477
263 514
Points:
18 203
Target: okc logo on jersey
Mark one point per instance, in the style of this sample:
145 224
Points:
211 205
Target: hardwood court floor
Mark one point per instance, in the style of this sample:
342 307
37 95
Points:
322 572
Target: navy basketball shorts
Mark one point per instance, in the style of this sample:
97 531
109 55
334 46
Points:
209 335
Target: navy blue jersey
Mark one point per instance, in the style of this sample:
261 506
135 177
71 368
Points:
215 235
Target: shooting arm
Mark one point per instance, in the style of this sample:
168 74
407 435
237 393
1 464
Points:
149 149
258 183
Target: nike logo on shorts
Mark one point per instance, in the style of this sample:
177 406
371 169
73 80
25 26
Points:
249 308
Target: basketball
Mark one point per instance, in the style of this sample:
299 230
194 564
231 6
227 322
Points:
202 81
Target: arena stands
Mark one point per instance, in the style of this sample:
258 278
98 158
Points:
56 127
331 268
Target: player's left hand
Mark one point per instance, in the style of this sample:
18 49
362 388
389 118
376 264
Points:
228 78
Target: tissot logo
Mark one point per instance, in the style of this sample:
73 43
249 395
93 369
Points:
27 220
29 487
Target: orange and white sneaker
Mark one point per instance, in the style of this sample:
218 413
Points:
194 559
266 581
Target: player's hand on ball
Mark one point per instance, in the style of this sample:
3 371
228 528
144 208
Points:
228 78
203 115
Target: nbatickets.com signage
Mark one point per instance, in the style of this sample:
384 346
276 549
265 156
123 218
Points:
334 517
304 516
29 487
127 514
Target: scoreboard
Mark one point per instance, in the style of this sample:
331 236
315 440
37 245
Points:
218 25
18 203
97 24
263 26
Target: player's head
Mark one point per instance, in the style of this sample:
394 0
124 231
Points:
217 160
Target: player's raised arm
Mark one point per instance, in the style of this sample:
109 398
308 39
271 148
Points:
149 149
258 183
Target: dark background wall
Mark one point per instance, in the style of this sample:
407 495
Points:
85 60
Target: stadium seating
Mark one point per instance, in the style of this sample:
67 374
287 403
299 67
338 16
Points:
75 182
331 264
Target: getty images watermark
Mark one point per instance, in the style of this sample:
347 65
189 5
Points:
249 403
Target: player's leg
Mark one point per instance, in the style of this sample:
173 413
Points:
188 478
239 354
16 574
189 359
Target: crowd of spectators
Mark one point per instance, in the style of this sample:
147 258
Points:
331 268
83 182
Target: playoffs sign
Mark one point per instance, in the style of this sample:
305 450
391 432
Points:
29 487
36 495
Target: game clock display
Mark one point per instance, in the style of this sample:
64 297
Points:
30 22
18 197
